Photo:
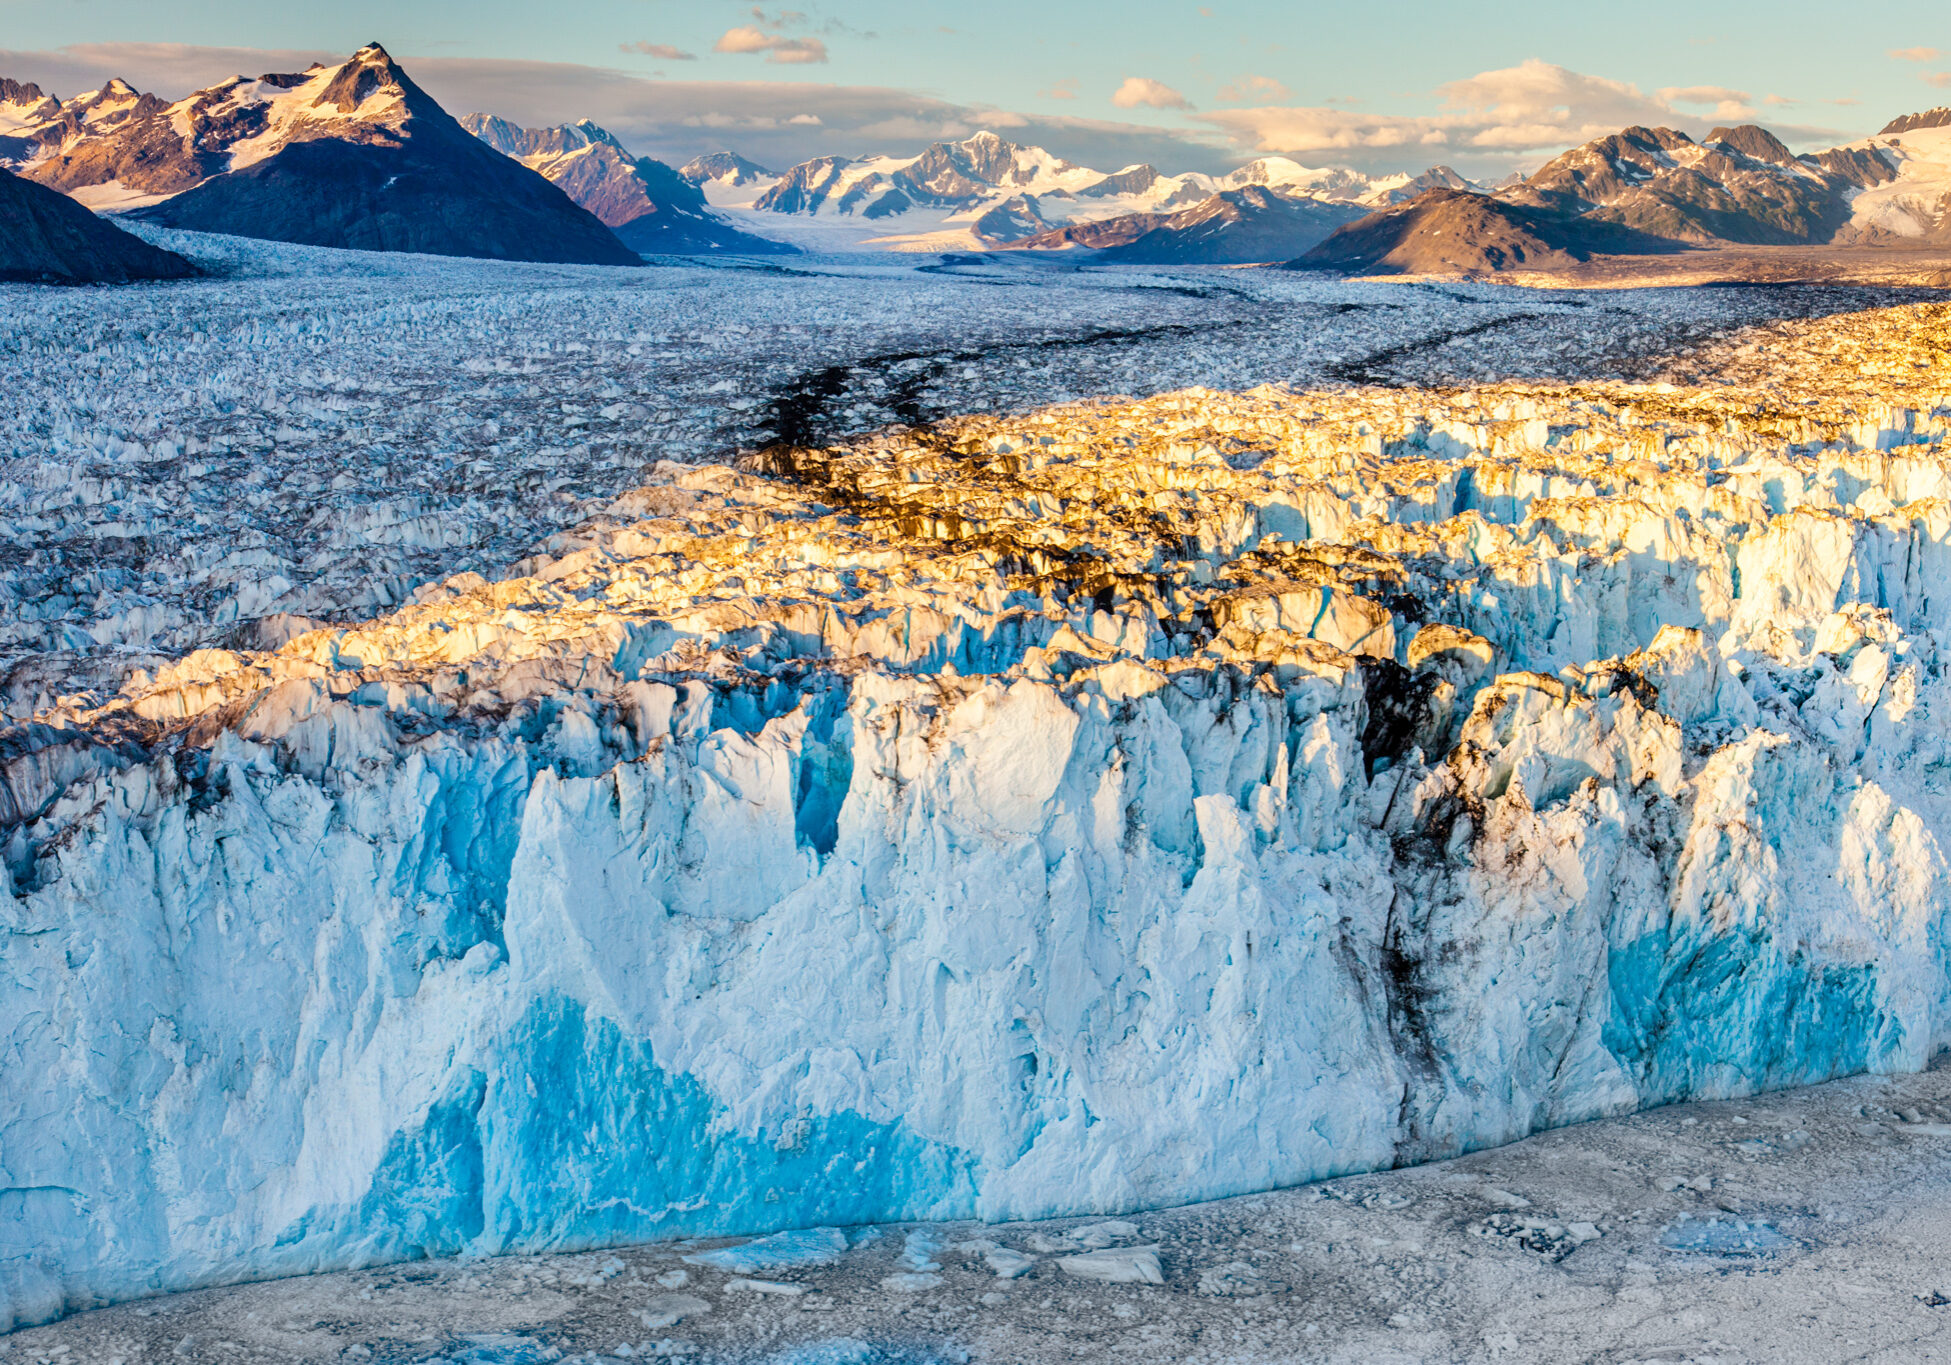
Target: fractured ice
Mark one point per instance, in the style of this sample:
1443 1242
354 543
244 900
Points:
1116 804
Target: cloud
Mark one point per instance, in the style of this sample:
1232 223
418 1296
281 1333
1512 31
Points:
661 50
1915 54
776 123
1143 90
779 49
1940 79
174 68
1727 103
1493 118
1065 89
1253 90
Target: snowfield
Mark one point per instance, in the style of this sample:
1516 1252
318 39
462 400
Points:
510 759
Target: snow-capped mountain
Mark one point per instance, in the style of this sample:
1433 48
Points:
647 204
1744 185
1913 202
985 191
727 168
353 155
1232 227
1740 185
1650 189
118 148
45 237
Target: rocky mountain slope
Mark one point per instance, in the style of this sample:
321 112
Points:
1455 232
1740 186
1233 227
1121 802
649 206
353 155
47 238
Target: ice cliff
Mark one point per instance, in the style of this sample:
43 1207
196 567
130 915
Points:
1127 804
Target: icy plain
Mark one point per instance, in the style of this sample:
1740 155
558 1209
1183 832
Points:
511 758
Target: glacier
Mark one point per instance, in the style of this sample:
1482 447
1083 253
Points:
1122 804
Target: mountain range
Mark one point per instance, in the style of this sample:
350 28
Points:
986 192
357 155
649 206
353 155
1649 190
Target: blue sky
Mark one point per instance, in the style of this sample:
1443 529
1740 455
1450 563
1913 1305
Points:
1397 86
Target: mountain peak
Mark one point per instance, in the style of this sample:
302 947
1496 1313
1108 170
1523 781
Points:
1753 140
1939 117
729 167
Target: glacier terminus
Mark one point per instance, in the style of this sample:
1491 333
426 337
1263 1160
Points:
1308 764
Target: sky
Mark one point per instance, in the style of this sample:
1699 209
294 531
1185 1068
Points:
1186 86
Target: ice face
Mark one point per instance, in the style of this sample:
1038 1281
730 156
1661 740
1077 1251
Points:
1065 812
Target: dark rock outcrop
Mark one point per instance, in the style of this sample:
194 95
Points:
1455 232
47 238
399 198
1939 117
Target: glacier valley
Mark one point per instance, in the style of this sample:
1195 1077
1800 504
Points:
1351 747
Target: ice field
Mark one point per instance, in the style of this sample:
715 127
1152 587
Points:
510 759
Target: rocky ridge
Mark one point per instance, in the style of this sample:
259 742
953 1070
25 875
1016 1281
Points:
967 802
1462 233
352 155
649 206
1651 191
1233 227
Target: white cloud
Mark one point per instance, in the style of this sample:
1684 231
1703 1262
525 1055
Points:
1518 111
663 51
1143 90
779 49
1253 90
1915 54
1940 79
172 68
1727 104
1065 89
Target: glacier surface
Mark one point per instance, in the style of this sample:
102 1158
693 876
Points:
1113 805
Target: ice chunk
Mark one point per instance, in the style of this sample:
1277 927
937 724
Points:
1116 1265
667 1310
1008 1264
781 1251
1724 1237
752 1286
1103 1234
